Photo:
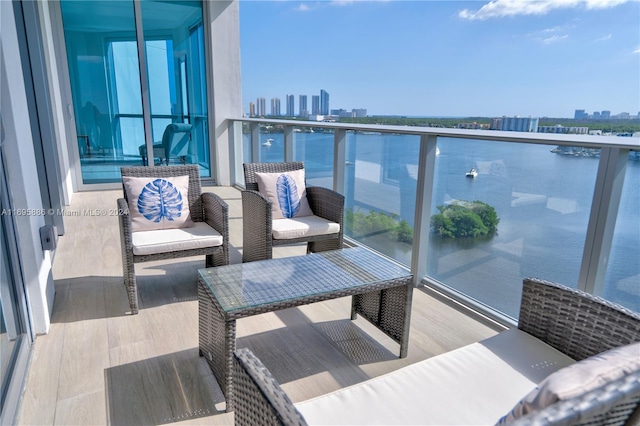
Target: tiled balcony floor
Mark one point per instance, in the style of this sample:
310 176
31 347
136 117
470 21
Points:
100 365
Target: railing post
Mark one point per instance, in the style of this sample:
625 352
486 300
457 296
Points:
289 145
424 195
339 159
255 142
602 219
236 151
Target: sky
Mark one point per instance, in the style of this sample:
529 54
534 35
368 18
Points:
543 58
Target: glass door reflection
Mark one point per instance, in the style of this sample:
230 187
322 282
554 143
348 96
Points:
104 69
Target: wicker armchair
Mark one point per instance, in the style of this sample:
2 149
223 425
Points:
204 208
575 323
258 240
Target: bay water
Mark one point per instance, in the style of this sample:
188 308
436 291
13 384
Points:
543 200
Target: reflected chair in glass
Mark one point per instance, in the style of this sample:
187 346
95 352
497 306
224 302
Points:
175 142
258 236
205 209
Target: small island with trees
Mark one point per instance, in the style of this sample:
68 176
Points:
465 219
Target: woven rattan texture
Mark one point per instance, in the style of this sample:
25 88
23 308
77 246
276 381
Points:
263 401
244 287
236 291
615 404
207 207
576 323
258 241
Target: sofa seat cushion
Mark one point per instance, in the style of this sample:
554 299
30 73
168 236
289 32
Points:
167 240
473 385
301 227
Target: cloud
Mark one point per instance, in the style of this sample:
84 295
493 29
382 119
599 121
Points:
503 8
637 51
605 38
302 7
552 35
554 39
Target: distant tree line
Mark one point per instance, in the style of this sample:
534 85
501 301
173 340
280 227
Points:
613 126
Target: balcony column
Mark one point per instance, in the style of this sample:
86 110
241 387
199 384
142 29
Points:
424 196
602 219
339 159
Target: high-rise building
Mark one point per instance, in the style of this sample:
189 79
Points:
262 107
304 111
580 114
496 124
605 115
315 105
324 102
275 107
359 112
290 106
252 109
519 124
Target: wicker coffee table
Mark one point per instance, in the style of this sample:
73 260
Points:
381 290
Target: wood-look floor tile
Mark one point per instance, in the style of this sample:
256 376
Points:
99 364
82 410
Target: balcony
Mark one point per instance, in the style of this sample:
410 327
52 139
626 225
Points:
99 365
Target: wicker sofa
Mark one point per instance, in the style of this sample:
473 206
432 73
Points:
559 332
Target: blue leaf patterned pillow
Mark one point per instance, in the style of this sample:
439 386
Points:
287 192
158 203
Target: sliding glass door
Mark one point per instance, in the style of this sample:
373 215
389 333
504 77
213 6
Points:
15 336
117 112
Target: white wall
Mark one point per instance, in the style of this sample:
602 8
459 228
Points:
224 71
49 18
22 177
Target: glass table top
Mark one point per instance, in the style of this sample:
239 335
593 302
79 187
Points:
252 284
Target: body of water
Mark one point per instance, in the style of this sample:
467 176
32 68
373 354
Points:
543 201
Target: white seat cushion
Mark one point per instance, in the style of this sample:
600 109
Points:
305 226
473 385
166 240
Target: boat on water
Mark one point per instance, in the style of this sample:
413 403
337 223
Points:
472 173
267 142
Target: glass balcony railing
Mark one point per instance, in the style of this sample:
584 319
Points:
536 205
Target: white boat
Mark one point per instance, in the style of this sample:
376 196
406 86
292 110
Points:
267 142
472 173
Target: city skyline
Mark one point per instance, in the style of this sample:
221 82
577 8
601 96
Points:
436 58
301 110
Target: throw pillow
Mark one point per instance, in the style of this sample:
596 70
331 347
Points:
158 203
578 378
287 193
